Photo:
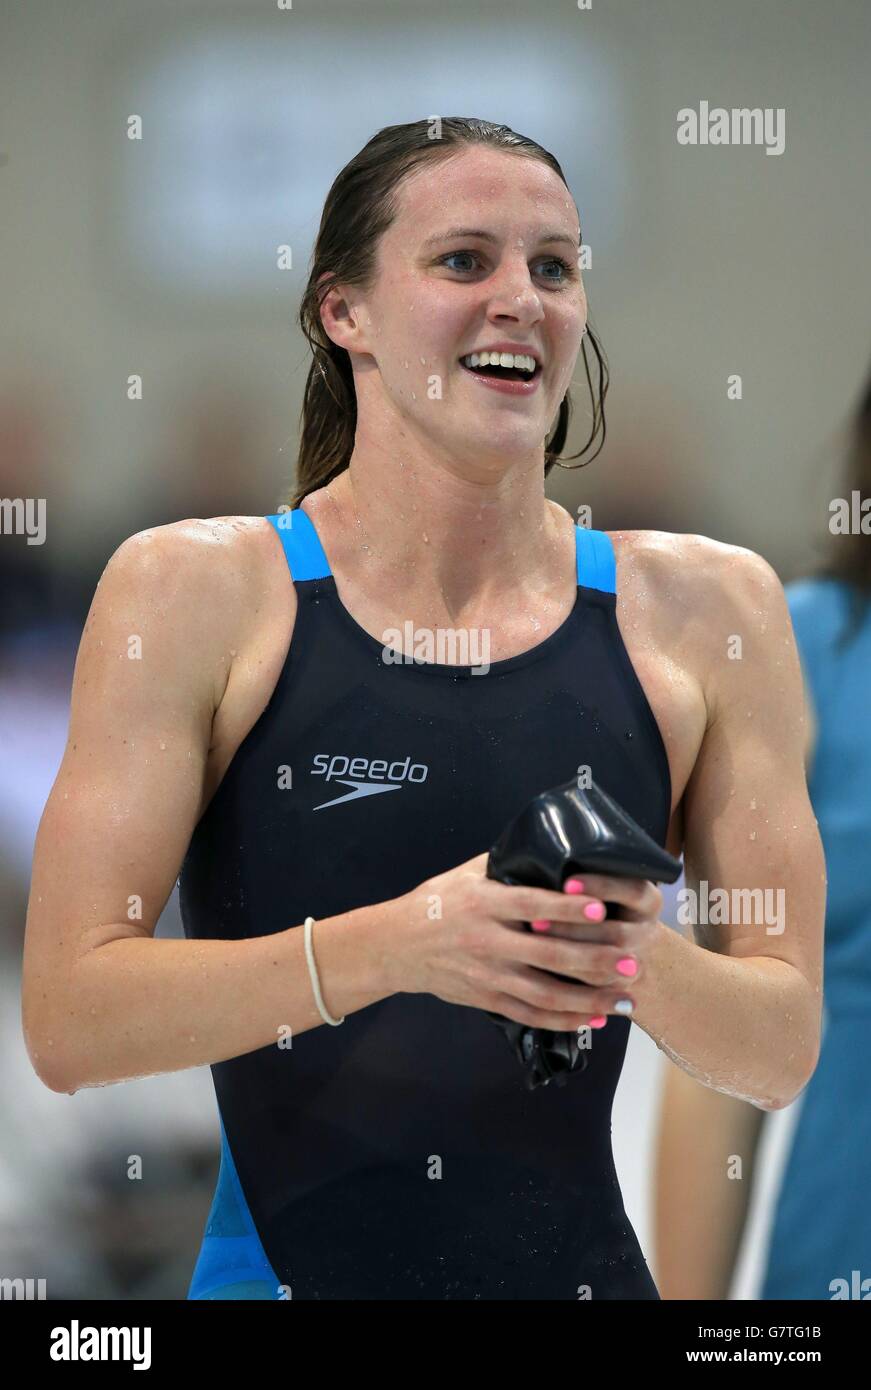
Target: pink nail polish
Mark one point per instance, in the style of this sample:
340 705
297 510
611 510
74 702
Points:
598 1022
627 966
595 911
573 885
540 924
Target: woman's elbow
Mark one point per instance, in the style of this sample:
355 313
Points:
50 1059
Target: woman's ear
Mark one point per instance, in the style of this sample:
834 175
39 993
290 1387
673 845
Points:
342 319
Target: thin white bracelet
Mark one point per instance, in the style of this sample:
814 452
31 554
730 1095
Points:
313 972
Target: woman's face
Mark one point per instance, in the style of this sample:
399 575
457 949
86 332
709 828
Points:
439 296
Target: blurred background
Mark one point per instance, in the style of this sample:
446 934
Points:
157 257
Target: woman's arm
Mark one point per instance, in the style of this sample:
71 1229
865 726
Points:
739 1008
102 999
702 1195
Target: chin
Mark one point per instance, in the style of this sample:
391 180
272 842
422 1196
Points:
489 453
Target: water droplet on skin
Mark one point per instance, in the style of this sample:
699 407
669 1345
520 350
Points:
753 804
162 747
752 834
405 364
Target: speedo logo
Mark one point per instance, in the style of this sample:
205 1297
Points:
366 777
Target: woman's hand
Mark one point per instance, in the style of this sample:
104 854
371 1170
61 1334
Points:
451 941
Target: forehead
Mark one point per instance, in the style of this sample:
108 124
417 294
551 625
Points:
507 190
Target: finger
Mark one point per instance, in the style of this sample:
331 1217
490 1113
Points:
559 999
544 904
520 1012
519 903
590 963
636 895
610 932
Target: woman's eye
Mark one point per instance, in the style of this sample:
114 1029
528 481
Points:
563 265
452 255
558 261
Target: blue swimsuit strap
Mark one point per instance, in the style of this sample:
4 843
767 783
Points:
306 558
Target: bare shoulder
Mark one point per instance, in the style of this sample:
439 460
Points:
223 546
700 575
689 557
706 598
214 561
202 584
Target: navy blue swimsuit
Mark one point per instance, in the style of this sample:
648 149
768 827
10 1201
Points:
400 1156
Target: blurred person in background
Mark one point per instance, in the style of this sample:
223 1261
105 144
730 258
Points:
821 1232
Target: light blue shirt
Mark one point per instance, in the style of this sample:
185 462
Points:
839 779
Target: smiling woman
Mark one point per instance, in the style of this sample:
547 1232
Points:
364 197
396 1153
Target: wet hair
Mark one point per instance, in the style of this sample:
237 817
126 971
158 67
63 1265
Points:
359 208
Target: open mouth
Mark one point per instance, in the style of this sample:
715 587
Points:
522 368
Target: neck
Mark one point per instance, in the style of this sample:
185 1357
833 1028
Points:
452 541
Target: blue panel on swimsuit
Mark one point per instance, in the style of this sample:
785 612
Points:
231 1252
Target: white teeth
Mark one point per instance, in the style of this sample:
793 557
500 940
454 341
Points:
499 359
